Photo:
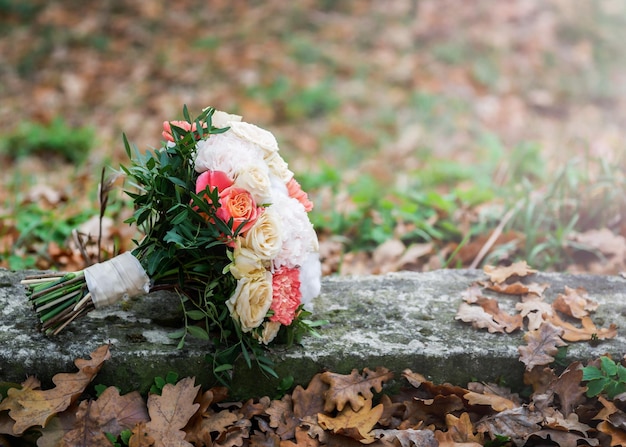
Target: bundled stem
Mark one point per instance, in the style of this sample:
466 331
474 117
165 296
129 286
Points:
58 299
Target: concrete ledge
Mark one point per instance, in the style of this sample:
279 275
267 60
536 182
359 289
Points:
400 320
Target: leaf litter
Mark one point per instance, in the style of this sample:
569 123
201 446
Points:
350 409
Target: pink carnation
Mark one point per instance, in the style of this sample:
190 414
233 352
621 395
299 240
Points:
295 191
285 295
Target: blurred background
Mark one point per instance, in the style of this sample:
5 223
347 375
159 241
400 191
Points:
429 133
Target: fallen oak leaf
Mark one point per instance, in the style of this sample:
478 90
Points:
498 403
478 317
169 414
110 413
542 346
500 274
30 407
354 424
587 332
408 437
575 303
351 388
516 288
618 437
460 431
568 388
510 323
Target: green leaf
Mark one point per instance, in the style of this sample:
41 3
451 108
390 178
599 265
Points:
592 373
198 332
608 365
595 387
224 367
196 315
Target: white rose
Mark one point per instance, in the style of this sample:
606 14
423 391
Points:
254 134
251 301
246 263
223 119
278 167
265 237
269 333
225 152
255 179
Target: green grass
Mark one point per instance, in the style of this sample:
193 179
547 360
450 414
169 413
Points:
56 139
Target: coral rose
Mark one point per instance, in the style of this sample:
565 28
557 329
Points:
238 204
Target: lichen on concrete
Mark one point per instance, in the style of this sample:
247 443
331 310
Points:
400 320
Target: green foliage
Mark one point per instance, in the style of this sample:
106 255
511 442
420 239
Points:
54 139
37 228
160 382
609 379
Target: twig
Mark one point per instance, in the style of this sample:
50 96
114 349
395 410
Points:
494 236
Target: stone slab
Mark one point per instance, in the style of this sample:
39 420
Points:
399 320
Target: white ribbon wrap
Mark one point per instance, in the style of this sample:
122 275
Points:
120 277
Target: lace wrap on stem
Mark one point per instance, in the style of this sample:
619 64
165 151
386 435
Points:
120 277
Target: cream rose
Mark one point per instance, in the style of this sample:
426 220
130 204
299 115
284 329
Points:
251 301
223 119
254 134
279 167
255 179
246 263
265 237
269 332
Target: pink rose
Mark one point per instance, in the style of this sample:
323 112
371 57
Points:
238 204
285 295
213 179
167 128
295 191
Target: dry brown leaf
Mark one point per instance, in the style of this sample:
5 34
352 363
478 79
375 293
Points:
282 417
170 412
472 293
575 303
29 407
498 403
568 388
408 437
110 413
510 323
501 274
478 317
517 423
534 308
354 424
608 409
421 412
618 437
461 430
141 437
570 424
516 288
542 345
302 440
350 388
540 378
587 332
415 379
196 428
563 438
309 401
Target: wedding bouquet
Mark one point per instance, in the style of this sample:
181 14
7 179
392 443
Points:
225 225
